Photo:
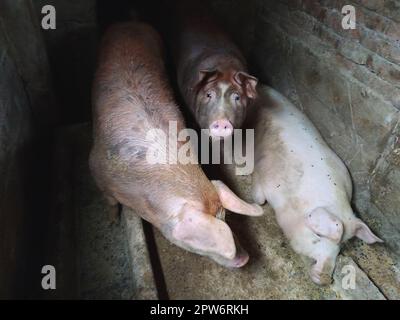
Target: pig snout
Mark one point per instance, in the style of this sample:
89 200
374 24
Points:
221 128
239 261
321 272
320 278
241 257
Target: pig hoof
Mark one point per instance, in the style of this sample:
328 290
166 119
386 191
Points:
321 279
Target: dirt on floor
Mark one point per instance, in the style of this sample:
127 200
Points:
124 261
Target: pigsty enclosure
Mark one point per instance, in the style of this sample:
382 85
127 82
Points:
346 81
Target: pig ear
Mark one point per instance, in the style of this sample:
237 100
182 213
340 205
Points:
364 233
201 233
325 224
207 75
248 82
233 203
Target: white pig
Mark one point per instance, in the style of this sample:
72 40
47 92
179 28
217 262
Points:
305 182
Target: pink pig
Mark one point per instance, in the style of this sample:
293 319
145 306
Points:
305 182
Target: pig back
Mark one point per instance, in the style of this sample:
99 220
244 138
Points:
131 96
198 42
293 154
131 79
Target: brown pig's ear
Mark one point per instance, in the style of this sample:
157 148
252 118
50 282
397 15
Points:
203 233
233 203
364 233
207 75
248 82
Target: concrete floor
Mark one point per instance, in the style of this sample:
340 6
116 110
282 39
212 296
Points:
93 255
274 271
124 261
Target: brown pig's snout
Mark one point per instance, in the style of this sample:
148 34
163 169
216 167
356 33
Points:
221 128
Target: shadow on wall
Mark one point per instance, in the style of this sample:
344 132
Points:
72 50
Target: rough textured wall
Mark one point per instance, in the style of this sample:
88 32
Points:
21 30
15 119
24 98
239 18
72 52
346 81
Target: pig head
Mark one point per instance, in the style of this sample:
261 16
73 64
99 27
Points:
220 99
206 233
320 239
212 73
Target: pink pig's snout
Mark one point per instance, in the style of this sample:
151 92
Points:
241 257
221 128
240 260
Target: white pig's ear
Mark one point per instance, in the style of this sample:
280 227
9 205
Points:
325 224
363 232
207 75
248 82
233 203
203 233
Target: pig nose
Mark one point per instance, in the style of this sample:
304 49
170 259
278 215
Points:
242 257
221 128
240 260
320 278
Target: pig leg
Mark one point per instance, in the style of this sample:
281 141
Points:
113 210
233 203
257 190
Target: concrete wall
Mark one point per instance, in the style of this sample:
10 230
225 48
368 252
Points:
346 81
24 43
72 53
25 100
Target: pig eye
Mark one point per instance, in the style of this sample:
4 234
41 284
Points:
236 97
209 94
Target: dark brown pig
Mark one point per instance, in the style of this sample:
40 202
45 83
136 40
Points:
211 71
131 96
